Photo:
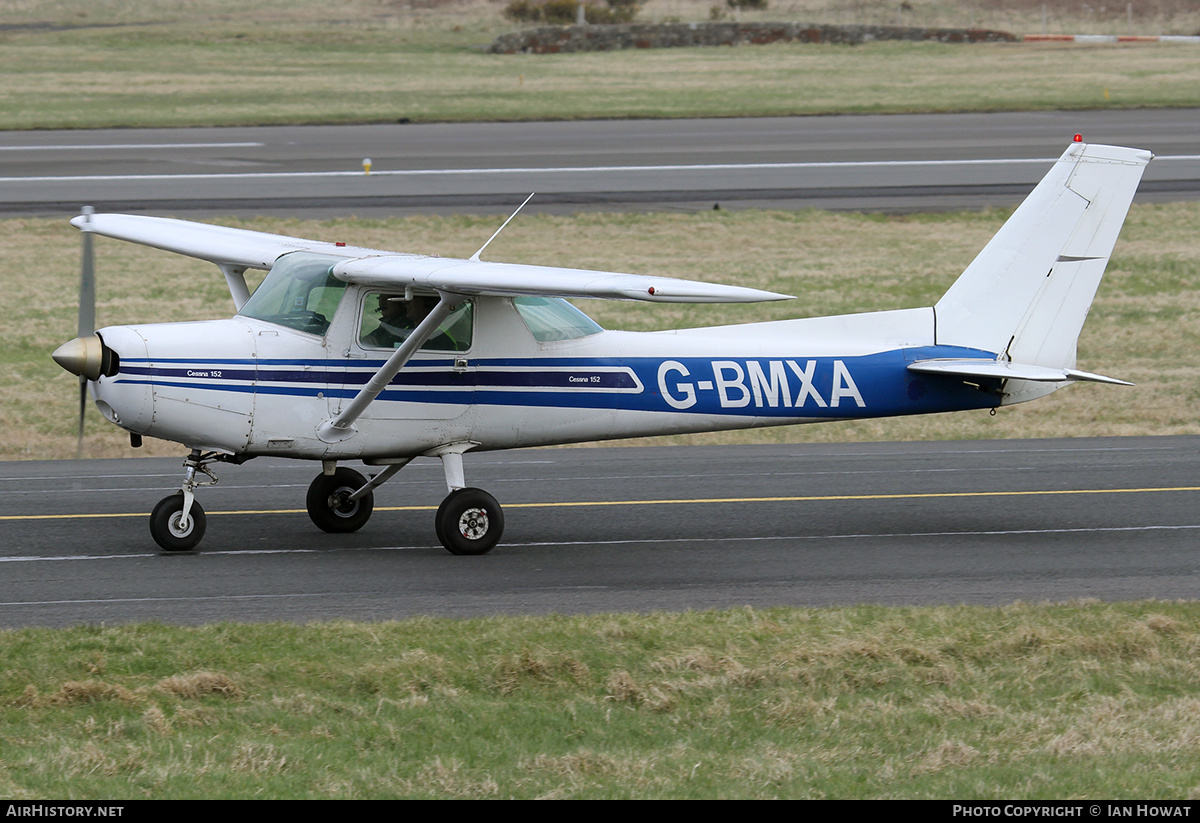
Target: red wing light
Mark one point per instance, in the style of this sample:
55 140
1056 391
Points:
1079 138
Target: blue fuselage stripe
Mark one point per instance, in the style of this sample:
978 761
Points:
787 387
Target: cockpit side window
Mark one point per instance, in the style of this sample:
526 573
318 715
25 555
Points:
388 319
299 292
552 318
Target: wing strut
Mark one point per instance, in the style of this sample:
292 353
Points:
341 428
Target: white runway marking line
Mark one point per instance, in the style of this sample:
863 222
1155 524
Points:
134 146
849 164
198 599
806 498
630 542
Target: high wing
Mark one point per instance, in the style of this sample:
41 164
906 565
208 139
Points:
241 249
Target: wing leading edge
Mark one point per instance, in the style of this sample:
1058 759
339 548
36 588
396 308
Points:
242 248
217 244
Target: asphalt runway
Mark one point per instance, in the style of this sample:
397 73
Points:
606 529
859 162
621 529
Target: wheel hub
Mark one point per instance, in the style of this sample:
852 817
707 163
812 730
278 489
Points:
341 504
178 526
473 523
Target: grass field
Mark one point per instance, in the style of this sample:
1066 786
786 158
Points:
1081 700
72 64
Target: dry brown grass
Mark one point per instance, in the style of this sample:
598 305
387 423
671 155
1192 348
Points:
200 684
75 64
1020 16
1080 699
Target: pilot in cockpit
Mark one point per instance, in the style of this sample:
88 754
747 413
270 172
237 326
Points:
397 319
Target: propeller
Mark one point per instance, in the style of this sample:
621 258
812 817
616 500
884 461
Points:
87 309
86 355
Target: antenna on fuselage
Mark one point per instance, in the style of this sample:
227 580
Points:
474 258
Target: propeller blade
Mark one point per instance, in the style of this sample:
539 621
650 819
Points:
82 410
87 310
87 278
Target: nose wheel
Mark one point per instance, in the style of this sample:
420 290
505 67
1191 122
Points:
175 530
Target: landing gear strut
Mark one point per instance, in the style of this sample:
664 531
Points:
177 523
469 521
340 500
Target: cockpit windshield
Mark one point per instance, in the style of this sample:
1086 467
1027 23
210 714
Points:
299 292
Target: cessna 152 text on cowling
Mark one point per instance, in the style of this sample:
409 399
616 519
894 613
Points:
347 353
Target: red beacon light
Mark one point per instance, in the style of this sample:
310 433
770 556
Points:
1079 138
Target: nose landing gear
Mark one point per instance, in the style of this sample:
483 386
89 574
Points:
177 523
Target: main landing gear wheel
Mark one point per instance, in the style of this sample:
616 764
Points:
469 521
329 505
167 526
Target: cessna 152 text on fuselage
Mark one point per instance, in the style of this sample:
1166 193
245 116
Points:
347 353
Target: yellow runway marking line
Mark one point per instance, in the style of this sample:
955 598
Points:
675 502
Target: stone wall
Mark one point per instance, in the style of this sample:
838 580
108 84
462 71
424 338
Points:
555 39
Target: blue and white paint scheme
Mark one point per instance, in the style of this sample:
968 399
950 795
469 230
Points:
495 358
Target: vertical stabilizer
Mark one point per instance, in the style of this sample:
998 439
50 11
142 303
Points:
1028 292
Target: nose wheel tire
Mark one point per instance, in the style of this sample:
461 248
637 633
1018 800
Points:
170 531
469 521
329 506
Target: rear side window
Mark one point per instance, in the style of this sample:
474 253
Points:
552 318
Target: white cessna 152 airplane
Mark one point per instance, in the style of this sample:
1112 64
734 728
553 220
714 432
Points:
347 353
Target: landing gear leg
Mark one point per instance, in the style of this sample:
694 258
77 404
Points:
177 523
469 521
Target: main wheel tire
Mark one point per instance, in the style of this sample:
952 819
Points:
165 525
327 503
469 521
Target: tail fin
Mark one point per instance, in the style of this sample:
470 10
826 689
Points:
1028 292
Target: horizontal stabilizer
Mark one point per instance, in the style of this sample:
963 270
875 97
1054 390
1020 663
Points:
1009 371
473 277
